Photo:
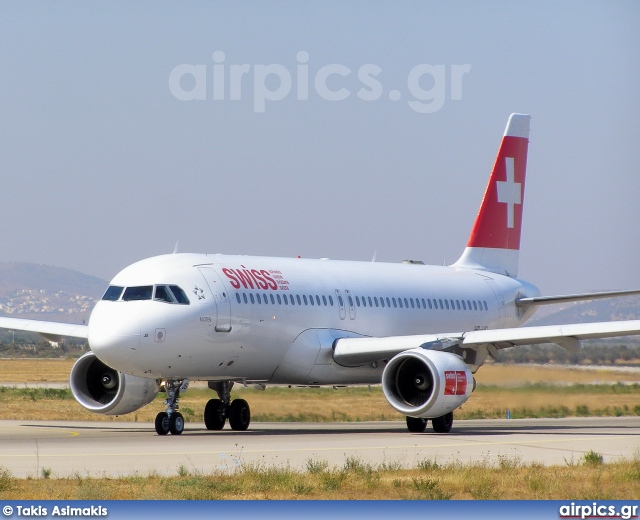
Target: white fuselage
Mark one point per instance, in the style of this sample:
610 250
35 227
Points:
240 322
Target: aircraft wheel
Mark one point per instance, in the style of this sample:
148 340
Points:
239 415
214 417
416 424
443 424
162 423
176 423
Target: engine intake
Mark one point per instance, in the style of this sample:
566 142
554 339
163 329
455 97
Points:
426 383
101 389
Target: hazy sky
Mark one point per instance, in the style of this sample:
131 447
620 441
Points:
103 162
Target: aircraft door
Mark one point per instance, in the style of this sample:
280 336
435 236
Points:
340 299
221 297
352 308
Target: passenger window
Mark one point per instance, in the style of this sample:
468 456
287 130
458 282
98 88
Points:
375 298
485 306
258 298
251 297
244 297
324 300
330 300
429 302
273 301
279 300
286 301
464 306
350 300
298 298
400 302
341 301
417 303
113 293
364 301
446 302
138 293
318 300
458 304
358 300
406 303
475 307
394 302
238 297
370 302
388 302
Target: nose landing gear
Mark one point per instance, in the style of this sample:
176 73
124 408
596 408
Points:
172 420
217 411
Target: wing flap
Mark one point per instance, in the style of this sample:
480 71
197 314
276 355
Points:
51 330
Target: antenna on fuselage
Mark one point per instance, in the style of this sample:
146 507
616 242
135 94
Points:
375 253
175 249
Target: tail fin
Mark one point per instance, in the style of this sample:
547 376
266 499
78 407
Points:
494 243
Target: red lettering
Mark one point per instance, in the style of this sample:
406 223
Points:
245 279
270 281
259 279
234 281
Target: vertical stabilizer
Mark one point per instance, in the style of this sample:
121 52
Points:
494 243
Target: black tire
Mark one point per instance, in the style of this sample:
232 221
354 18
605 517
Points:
416 424
162 423
214 417
239 415
176 423
443 424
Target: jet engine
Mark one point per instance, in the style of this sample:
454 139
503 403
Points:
101 389
426 383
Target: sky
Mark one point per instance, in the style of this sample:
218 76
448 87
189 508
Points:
319 129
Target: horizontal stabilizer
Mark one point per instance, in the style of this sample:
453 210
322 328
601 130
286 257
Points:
548 300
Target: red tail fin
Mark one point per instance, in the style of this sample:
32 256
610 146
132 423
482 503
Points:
495 238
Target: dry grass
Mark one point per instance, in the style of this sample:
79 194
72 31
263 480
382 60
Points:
510 480
35 370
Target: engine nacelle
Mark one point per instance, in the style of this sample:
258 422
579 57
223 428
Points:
101 389
426 383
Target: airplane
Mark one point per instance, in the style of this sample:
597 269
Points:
422 331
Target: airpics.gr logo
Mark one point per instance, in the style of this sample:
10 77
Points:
426 85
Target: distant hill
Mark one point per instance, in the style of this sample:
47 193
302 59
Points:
43 292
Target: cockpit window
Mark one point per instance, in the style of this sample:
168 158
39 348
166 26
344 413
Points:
179 295
113 293
162 294
138 293
170 294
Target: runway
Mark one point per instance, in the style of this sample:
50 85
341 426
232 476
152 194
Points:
119 449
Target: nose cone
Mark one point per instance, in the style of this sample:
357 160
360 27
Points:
114 332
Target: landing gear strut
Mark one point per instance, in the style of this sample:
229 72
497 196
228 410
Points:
172 420
217 411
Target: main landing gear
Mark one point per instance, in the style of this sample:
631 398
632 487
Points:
172 420
217 411
441 424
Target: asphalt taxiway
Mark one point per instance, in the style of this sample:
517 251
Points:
118 449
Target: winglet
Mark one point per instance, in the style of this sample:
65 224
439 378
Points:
494 242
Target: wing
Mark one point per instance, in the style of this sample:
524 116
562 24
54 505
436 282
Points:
359 351
48 329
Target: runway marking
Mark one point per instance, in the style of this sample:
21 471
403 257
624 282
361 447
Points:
241 451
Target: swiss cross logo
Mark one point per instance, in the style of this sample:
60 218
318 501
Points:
509 192
455 382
